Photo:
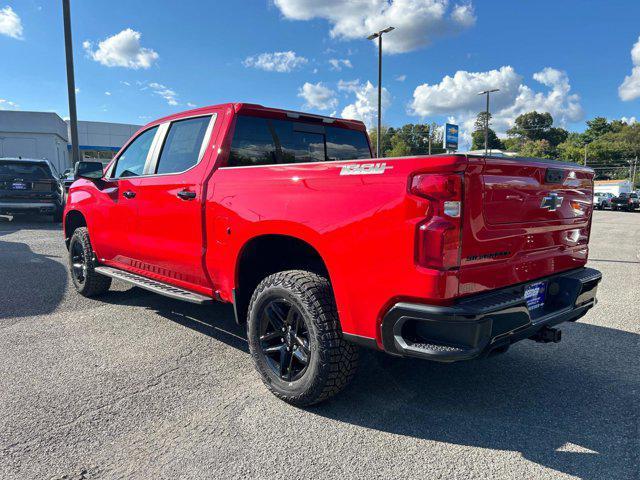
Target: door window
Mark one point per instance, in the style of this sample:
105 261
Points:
183 147
131 162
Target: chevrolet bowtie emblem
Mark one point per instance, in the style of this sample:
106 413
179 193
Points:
551 202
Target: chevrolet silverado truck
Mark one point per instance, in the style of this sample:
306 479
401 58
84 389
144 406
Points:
322 249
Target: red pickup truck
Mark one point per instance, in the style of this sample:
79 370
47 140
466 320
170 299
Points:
322 248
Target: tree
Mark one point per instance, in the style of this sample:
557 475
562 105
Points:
531 126
399 147
385 139
596 128
477 137
537 148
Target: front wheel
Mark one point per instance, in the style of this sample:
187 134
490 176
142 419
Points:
87 281
295 338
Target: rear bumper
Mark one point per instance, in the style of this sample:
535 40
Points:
26 207
477 325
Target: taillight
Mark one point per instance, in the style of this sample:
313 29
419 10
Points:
438 237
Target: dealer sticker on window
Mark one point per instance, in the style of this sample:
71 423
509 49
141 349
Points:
534 295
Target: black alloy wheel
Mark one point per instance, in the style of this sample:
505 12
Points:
78 263
284 339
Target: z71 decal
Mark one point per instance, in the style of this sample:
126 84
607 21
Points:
364 169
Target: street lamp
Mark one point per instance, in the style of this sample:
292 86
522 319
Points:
71 84
378 35
486 119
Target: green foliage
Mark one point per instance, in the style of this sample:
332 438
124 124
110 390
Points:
410 139
537 148
477 137
399 147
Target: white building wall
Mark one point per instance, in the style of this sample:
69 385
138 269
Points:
45 135
34 135
103 134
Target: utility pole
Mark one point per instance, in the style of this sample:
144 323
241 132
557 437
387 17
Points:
429 140
378 35
71 83
486 119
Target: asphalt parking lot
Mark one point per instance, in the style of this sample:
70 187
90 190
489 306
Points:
135 385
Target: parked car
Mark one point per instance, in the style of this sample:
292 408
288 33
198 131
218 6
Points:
602 200
322 248
626 201
30 186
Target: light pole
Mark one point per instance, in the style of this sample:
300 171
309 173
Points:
486 119
378 35
71 83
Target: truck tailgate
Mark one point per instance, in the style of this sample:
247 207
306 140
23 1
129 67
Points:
526 219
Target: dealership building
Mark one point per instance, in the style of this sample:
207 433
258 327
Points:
46 135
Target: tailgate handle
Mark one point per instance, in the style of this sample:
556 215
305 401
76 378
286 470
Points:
554 175
129 194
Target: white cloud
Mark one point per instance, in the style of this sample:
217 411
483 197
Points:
630 87
458 97
317 95
365 106
7 104
418 22
276 61
10 23
339 63
190 104
400 78
122 50
108 94
77 90
126 84
165 92
629 120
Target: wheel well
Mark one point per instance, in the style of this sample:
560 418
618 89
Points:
268 254
72 221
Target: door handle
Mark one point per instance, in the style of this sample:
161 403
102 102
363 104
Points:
186 195
129 194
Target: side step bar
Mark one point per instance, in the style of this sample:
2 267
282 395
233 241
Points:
154 285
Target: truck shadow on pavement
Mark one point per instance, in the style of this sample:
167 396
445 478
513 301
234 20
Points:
30 283
569 407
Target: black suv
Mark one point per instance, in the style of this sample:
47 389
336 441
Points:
30 186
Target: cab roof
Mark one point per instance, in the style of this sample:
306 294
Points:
260 110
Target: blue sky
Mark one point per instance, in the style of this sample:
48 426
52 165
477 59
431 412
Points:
569 57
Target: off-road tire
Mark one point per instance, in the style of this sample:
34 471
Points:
92 283
332 360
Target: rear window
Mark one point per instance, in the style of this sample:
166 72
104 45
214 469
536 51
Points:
26 170
266 141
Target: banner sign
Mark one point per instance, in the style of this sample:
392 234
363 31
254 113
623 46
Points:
450 136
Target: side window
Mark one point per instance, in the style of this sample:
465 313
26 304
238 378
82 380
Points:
252 143
131 162
183 145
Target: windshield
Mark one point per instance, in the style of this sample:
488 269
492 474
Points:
25 170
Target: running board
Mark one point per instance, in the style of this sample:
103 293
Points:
154 285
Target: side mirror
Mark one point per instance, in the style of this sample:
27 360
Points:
89 170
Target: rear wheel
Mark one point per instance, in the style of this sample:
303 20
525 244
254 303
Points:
87 281
295 338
